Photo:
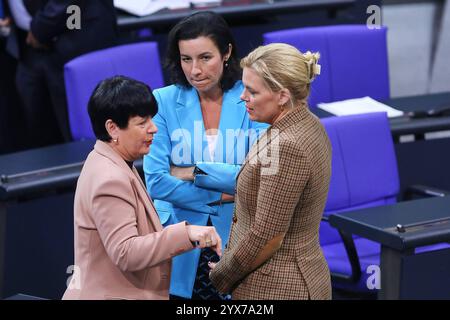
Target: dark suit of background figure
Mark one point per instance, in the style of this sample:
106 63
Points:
40 78
10 123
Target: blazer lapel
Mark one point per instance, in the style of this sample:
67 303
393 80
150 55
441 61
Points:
148 203
295 116
189 116
254 150
190 119
231 119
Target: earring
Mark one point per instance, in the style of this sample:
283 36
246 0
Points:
115 140
226 63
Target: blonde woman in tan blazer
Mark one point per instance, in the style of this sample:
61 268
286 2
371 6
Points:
121 248
273 251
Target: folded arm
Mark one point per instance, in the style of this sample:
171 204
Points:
163 186
217 176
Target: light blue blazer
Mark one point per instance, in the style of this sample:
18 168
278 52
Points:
181 141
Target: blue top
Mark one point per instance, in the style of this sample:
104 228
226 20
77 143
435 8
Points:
181 141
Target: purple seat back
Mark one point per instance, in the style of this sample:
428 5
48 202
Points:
139 61
364 166
353 59
364 174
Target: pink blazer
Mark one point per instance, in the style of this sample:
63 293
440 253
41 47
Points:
121 248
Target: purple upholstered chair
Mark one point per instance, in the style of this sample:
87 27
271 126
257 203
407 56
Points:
139 61
364 174
353 59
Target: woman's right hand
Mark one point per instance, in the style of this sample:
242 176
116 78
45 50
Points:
205 237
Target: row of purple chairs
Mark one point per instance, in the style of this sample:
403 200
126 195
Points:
353 58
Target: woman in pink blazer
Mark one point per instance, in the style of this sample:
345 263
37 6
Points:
121 248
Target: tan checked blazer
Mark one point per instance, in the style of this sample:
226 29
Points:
121 249
281 188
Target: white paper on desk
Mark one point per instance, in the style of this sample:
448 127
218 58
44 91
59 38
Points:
205 3
145 7
177 4
182 4
360 105
141 7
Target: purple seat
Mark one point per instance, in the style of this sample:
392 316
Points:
364 174
353 59
139 61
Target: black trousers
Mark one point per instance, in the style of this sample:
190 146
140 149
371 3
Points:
40 83
12 136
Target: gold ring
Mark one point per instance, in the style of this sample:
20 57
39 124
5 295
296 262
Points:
208 242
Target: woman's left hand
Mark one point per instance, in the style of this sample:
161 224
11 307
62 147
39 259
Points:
34 42
182 173
5 22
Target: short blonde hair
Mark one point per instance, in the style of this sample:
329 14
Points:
283 66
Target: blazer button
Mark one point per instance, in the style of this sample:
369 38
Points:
234 219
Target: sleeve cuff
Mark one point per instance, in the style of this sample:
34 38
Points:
216 176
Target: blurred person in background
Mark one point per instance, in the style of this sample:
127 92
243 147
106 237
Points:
43 38
11 123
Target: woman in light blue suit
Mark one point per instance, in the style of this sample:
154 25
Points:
204 135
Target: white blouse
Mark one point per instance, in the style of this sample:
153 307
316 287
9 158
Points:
212 141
